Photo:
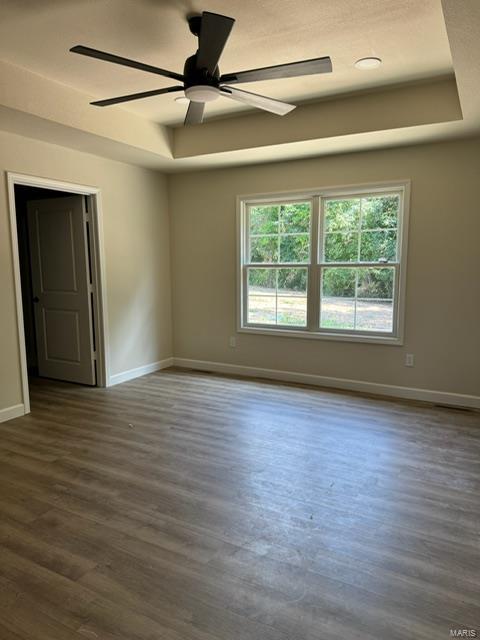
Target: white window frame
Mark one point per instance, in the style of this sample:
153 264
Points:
315 266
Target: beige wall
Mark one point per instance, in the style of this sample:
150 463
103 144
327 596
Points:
137 252
443 292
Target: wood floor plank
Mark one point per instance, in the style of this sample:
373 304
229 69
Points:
188 506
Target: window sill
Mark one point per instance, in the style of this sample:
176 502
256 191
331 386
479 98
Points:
319 335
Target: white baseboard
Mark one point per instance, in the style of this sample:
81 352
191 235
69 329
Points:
117 378
12 412
410 393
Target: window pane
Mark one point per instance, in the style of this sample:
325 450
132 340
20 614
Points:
338 298
264 249
295 248
341 247
380 212
277 296
292 281
359 299
262 281
279 233
375 283
374 316
378 246
342 215
264 219
339 282
292 297
295 218
262 303
261 309
375 299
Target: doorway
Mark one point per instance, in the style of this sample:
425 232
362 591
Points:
59 281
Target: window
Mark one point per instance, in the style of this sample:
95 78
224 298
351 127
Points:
324 264
278 236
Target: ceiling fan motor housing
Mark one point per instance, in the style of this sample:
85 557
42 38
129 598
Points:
200 85
194 76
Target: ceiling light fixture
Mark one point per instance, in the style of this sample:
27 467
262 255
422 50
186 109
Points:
202 93
368 63
182 100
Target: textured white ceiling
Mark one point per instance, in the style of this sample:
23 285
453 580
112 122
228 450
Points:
409 35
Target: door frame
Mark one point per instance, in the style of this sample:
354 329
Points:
93 195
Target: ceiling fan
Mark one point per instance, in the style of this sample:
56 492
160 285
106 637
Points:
202 81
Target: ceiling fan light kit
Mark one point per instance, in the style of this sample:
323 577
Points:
202 93
201 78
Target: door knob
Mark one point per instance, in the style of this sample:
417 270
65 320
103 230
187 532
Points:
36 299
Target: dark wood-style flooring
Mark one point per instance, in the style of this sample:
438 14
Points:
187 506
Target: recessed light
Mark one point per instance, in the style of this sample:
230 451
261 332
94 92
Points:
182 100
368 63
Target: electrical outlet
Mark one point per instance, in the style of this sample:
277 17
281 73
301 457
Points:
233 341
409 360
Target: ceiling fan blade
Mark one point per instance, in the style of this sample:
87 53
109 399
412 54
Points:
126 62
290 70
255 100
214 32
134 96
194 113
